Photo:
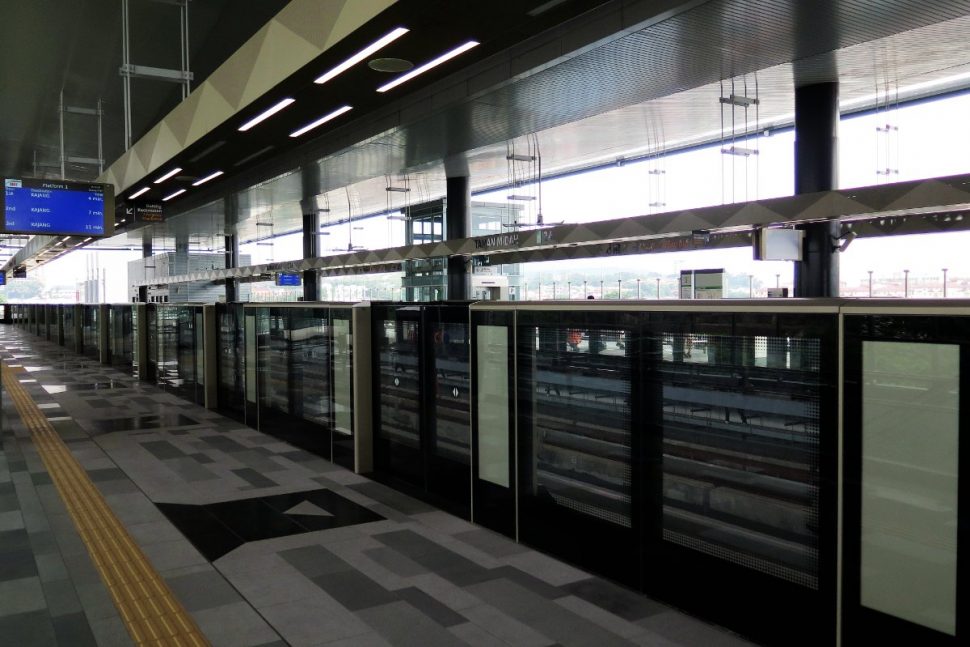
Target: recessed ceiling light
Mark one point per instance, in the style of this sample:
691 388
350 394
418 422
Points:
139 192
266 114
168 175
361 55
170 196
322 120
390 65
447 56
207 178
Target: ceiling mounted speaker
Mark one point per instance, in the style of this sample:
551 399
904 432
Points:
391 65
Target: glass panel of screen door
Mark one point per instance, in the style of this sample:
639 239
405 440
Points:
492 380
341 376
910 431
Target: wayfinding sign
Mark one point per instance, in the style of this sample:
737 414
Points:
57 207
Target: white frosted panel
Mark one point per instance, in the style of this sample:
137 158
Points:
492 384
910 431
341 377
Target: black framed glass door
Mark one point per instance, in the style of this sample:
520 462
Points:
422 401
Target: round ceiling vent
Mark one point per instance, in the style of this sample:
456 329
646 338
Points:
390 65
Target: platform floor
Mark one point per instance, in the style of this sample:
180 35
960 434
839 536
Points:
265 544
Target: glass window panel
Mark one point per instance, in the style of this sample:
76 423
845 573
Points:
399 380
741 450
309 351
451 391
910 438
342 375
492 386
581 420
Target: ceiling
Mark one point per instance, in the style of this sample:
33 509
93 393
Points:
52 45
637 93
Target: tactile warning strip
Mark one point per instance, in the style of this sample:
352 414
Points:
150 611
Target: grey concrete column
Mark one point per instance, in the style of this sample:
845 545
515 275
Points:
816 169
310 176
457 225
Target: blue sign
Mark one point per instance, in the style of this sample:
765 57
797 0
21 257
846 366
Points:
3 277
57 207
288 278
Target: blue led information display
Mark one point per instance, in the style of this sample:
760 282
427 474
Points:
288 278
56 207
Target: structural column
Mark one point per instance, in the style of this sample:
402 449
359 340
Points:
146 252
231 210
310 176
457 225
816 169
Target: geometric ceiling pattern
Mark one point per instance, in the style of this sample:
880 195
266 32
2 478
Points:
298 34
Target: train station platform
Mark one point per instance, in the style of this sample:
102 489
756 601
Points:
131 516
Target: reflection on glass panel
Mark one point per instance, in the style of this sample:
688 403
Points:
89 330
581 420
231 355
273 364
399 380
451 391
741 450
68 317
253 340
910 437
308 338
492 386
342 386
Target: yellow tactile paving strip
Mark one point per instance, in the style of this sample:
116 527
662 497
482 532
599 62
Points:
150 611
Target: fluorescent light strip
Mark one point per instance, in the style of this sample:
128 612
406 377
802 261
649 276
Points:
322 120
139 192
207 178
168 175
447 56
263 116
362 54
169 197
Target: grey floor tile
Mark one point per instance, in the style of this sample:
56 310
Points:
395 562
475 636
51 567
690 631
17 564
429 606
404 626
306 621
544 615
61 598
31 629
110 632
21 596
234 625
363 640
505 628
254 478
613 598
168 555
11 520
490 542
73 630
203 590
354 590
